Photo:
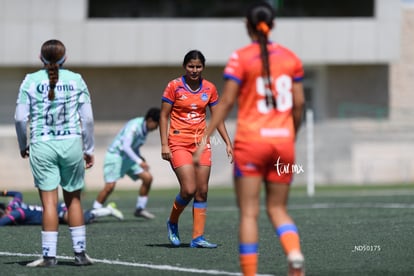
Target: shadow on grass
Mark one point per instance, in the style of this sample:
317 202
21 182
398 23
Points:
168 245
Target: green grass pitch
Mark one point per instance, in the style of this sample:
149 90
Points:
344 231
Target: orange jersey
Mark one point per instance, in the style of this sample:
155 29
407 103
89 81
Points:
256 121
188 114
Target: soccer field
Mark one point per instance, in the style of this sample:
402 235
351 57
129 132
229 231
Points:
344 231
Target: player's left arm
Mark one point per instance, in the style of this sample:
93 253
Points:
219 113
298 104
86 117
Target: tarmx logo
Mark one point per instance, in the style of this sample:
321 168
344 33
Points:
282 168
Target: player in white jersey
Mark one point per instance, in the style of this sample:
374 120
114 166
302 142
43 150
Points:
57 104
123 157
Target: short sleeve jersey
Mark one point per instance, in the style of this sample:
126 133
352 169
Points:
59 118
136 130
188 114
256 121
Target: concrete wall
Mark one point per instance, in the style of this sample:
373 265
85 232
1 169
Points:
26 24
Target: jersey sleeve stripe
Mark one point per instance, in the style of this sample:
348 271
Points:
231 77
164 99
298 79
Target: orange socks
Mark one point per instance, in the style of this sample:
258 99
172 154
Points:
199 218
178 207
289 238
248 258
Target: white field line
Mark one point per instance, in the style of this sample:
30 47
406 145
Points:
348 205
150 266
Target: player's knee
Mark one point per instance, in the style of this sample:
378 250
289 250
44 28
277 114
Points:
146 178
201 196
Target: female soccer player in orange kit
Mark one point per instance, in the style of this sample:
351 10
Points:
265 78
185 101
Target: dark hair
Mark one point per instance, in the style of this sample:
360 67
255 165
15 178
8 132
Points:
260 21
153 114
194 54
52 55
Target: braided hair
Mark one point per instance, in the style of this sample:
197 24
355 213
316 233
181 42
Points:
260 21
53 56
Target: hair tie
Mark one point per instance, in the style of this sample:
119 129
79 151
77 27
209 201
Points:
263 27
45 61
59 62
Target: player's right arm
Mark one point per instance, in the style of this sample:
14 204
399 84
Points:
21 118
164 116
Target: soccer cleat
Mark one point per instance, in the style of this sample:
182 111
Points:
296 264
139 212
201 242
88 216
82 259
43 262
173 235
115 211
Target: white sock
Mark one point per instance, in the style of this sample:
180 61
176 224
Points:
142 202
101 212
49 243
78 234
97 205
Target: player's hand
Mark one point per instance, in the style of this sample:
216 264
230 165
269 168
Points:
166 153
144 165
89 160
197 155
229 150
199 151
25 153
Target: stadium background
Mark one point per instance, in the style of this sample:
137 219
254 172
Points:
359 63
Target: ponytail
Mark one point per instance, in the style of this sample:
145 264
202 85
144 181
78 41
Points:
260 21
53 73
263 32
53 56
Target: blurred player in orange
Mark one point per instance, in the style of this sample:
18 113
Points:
184 103
265 78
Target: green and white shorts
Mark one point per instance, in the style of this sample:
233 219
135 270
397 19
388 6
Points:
115 167
57 162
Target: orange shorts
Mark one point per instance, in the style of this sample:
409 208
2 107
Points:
274 162
183 155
